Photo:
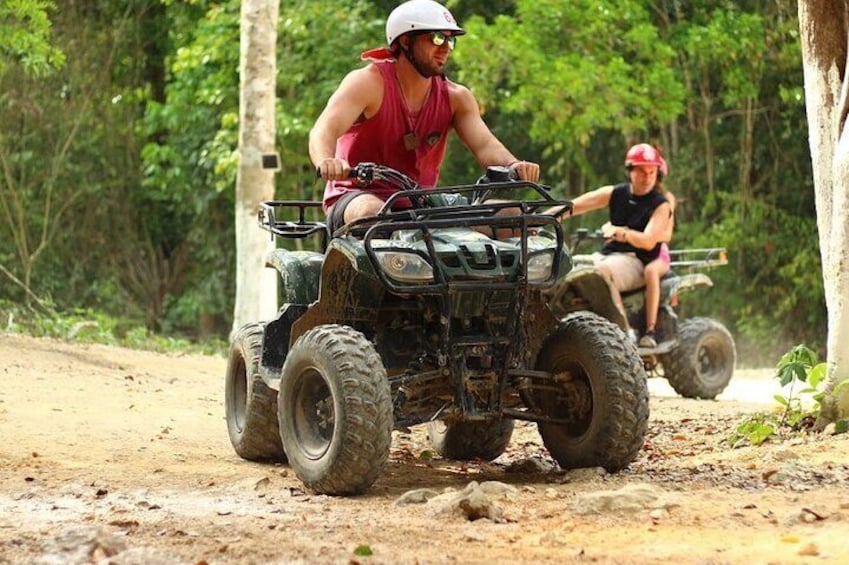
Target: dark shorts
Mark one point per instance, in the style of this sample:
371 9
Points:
336 215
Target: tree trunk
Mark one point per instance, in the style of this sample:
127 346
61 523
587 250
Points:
747 151
707 106
256 286
823 30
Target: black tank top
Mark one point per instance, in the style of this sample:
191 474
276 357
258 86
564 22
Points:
632 211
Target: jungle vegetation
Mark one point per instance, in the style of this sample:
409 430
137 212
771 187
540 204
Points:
119 122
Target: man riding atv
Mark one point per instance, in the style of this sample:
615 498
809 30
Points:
411 313
397 111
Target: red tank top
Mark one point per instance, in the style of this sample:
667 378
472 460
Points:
380 139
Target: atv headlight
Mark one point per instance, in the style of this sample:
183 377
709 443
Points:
539 266
405 267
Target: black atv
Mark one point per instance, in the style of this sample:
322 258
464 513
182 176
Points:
420 316
696 355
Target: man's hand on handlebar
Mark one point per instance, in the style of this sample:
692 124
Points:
333 169
526 170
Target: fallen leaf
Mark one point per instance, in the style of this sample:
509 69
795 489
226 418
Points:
363 551
809 549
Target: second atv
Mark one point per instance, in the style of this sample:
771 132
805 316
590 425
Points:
696 355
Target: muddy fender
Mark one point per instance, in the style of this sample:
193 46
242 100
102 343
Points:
299 274
584 288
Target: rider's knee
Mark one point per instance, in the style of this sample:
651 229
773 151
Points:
362 206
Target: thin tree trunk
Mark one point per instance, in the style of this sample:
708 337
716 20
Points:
707 106
746 153
28 291
256 286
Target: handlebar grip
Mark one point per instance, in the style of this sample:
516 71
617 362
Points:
352 172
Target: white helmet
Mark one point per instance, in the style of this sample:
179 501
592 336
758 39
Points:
420 15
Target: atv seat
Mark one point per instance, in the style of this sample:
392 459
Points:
667 284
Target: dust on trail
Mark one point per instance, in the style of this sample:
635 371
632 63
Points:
122 456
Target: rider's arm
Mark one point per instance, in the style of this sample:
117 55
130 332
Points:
592 200
652 235
480 140
670 222
587 202
358 97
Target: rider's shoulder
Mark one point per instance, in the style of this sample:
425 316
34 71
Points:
369 73
458 91
364 76
365 82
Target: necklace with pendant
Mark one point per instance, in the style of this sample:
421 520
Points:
411 140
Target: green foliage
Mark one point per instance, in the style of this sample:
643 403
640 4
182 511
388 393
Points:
196 122
730 45
804 377
189 164
66 148
799 368
797 365
592 67
363 550
89 326
25 37
755 430
135 137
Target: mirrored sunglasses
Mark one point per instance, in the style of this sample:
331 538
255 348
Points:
439 39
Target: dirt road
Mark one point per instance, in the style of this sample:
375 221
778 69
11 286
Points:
118 456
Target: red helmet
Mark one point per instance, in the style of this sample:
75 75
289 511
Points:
643 154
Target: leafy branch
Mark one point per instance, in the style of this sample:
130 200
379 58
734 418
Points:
800 370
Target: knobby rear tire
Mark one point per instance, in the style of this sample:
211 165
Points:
250 405
702 363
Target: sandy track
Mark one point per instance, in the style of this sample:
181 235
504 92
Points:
134 445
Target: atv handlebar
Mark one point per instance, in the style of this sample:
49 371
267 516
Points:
495 179
582 235
473 206
367 173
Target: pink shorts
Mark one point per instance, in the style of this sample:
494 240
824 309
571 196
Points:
664 255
